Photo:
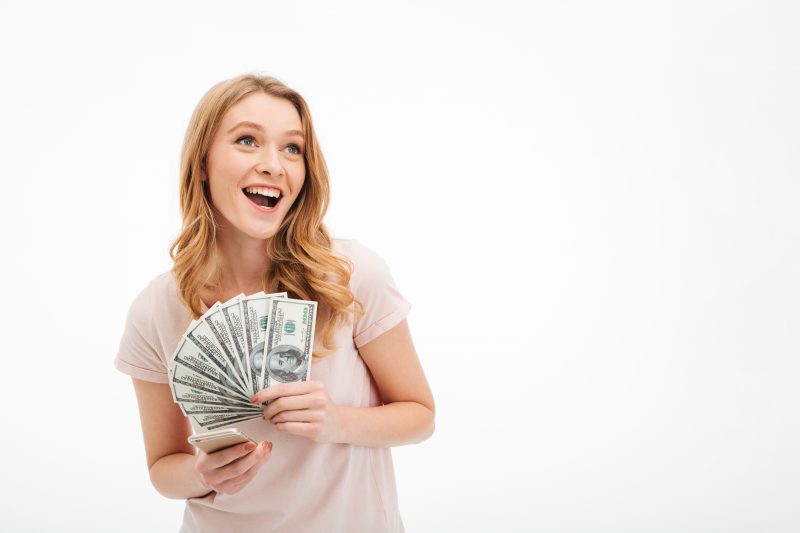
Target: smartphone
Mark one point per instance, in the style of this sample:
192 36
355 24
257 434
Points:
219 439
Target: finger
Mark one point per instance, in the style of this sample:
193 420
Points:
286 389
303 429
232 486
287 403
240 466
301 415
264 450
228 455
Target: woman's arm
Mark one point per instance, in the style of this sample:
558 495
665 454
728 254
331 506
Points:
170 458
175 470
407 415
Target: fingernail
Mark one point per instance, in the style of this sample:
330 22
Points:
254 399
269 443
249 447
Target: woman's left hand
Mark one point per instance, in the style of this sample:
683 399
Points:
302 408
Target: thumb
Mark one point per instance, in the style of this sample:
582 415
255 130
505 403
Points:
266 446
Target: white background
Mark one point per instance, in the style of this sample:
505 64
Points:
591 205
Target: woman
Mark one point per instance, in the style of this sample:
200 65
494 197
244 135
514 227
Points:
254 191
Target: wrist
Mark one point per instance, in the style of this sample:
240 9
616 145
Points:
343 422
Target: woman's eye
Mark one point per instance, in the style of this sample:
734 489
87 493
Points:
298 152
244 138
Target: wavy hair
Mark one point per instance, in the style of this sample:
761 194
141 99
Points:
301 259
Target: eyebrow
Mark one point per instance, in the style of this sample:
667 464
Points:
253 125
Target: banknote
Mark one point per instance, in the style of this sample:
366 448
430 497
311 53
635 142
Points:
183 394
215 321
237 348
206 420
200 334
192 357
185 376
224 423
234 322
285 355
190 408
256 312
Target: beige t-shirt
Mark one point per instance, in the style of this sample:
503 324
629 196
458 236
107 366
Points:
305 486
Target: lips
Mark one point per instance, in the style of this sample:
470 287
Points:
266 202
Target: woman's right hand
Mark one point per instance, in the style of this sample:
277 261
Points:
230 470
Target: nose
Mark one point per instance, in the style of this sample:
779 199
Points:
270 162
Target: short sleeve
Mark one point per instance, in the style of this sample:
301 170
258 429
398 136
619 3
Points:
137 355
373 286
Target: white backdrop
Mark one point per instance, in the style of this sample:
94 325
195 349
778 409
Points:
592 207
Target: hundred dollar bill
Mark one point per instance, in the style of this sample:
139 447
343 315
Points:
189 408
192 357
205 420
185 376
286 353
184 394
188 329
204 338
228 423
256 314
234 322
216 324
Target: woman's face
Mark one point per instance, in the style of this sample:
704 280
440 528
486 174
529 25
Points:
256 156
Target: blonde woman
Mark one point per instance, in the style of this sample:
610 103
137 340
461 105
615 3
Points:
322 463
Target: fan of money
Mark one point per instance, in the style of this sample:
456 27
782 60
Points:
238 348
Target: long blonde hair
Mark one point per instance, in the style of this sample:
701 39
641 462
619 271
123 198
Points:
302 262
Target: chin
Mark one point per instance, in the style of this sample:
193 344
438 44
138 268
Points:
263 235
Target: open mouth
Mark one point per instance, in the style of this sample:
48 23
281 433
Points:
263 196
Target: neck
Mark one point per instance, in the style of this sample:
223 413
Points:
243 262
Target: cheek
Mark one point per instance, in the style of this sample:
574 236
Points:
298 182
299 175
222 197
226 167
216 191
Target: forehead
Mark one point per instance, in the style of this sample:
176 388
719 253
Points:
274 114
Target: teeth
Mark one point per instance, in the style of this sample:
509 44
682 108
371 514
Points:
264 191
